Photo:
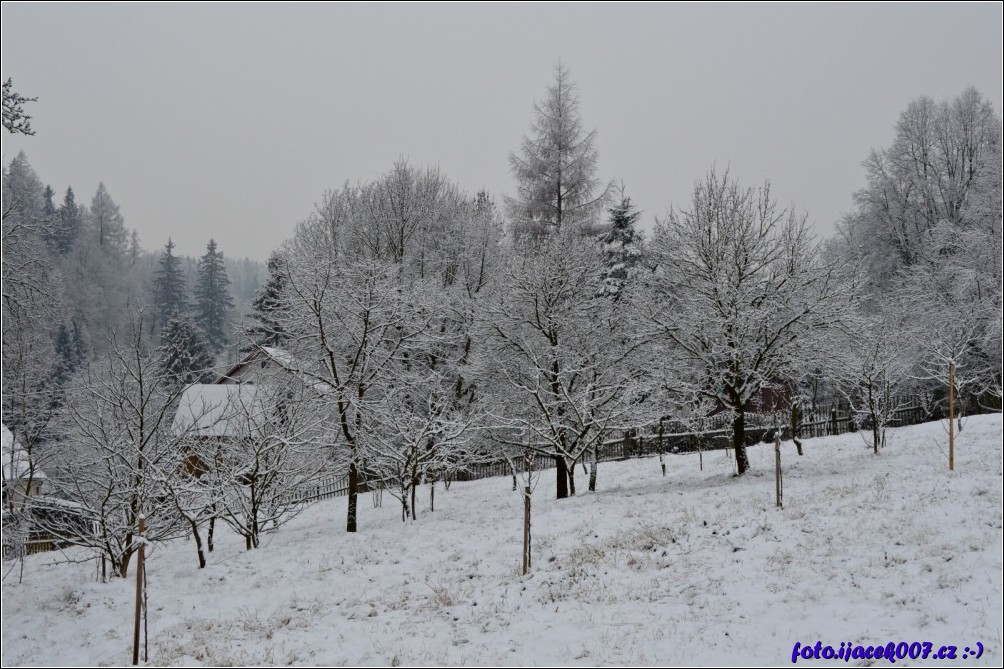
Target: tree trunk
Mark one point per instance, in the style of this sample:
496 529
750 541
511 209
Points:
873 410
561 476
594 455
212 528
739 441
795 420
350 522
123 566
198 544
414 489
571 479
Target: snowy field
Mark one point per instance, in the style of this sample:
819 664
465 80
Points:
696 567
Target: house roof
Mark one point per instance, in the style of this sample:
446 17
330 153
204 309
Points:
279 355
212 410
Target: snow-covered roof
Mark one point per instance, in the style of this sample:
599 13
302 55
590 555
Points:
280 355
243 372
213 410
16 463
259 354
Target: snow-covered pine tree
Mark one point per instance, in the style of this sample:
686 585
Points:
67 223
184 352
49 216
266 328
66 361
212 297
621 250
168 287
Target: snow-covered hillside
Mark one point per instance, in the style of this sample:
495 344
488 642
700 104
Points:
697 567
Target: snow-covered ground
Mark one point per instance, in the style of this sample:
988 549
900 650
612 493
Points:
697 567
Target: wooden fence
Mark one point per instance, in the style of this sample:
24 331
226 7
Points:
38 542
708 434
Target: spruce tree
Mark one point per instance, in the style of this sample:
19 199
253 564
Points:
67 223
184 353
50 231
65 363
212 297
168 286
620 247
266 328
79 343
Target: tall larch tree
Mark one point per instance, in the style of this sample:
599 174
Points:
555 168
109 226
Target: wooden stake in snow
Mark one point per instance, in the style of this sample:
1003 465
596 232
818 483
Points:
951 415
529 458
662 453
526 530
139 589
777 467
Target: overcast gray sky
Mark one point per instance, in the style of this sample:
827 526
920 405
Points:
231 120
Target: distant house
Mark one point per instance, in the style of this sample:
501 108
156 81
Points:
772 398
251 367
28 495
21 476
216 413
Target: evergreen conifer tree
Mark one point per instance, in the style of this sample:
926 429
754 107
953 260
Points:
65 362
620 247
67 223
168 287
266 328
184 352
50 230
212 297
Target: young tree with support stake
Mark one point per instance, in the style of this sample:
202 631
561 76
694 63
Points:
118 448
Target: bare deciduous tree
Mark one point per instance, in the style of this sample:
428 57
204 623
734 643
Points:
735 285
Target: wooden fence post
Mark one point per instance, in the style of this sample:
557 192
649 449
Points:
951 415
777 467
139 588
662 449
526 530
